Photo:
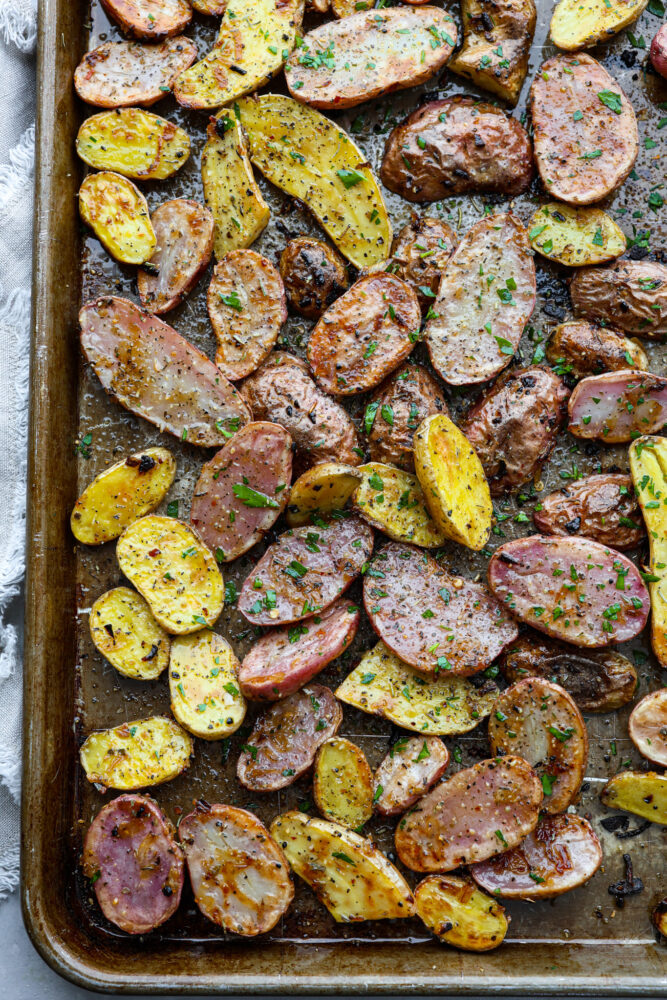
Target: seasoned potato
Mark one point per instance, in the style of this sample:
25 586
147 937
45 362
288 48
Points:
459 913
647 727
575 236
419 253
496 45
347 873
343 783
628 294
643 793
648 464
117 212
122 493
579 25
184 231
445 705
172 568
136 754
126 634
411 767
314 275
581 349
325 170
150 20
203 683
394 502
124 74
230 188
659 917
212 7
658 54
251 47
396 410
133 143
324 488
601 507
455 487
618 406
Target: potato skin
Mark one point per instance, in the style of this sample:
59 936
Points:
408 772
590 350
598 507
184 231
647 727
452 162
314 275
407 397
125 74
658 51
628 294
419 254
149 20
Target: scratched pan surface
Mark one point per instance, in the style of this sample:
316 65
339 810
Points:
581 941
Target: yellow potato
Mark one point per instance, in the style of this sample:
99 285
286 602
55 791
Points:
381 684
343 8
459 913
343 783
579 24
169 564
393 501
136 754
648 465
117 212
326 487
311 158
126 634
254 41
230 188
643 793
455 487
575 237
134 143
347 873
203 682
122 493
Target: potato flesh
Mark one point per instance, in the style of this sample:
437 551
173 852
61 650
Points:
393 500
579 24
203 682
136 754
133 143
648 465
343 783
459 913
126 634
575 237
643 793
117 212
121 494
322 489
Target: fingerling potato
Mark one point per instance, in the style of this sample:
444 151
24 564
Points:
411 767
575 236
184 231
133 143
647 727
577 25
136 754
648 464
394 502
459 913
125 74
126 634
320 490
618 406
150 20
643 793
343 783
496 45
581 348
628 294
396 410
122 493
602 507
203 683
117 212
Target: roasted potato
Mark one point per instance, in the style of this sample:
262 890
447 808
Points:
577 25
212 7
648 464
314 275
647 727
343 783
347 873
419 253
602 507
629 294
203 683
122 493
643 793
394 502
133 143
658 51
124 74
580 348
136 754
171 567
149 20
659 917
117 212
184 231
396 410
575 236
321 490
459 913
126 634
411 767
496 45
445 705
326 171
618 406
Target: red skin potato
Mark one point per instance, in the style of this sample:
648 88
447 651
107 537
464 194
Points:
150 20
403 778
658 51
127 74
647 726
185 231
618 415
596 508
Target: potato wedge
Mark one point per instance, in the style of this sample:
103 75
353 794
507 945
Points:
184 231
126 74
133 143
411 767
347 873
581 348
648 464
117 212
230 189
394 502
455 487
251 48
580 25
203 683
343 783
171 567
150 20
575 236
647 727
643 793
496 45
324 488
618 406
121 494
126 634
323 168
459 913
445 705
136 754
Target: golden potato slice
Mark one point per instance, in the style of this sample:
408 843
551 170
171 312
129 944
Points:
169 564
347 873
117 212
643 793
320 165
446 705
393 501
647 727
126 634
230 188
203 683
343 783
133 143
648 465
455 487
122 493
320 490
575 237
579 24
136 754
459 913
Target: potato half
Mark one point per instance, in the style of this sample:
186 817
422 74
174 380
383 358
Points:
134 143
126 634
459 913
343 783
117 212
393 501
643 793
204 686
579 24
576 237
136 754
324 488
648 465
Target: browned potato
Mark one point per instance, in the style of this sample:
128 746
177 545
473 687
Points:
134 143
150 20
343 783
629 294
117 212
602 507
184 231
419 254
580 348
314 275
647 727
212 7
396 410
496 45
121 74
539 721
412 766
460 914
